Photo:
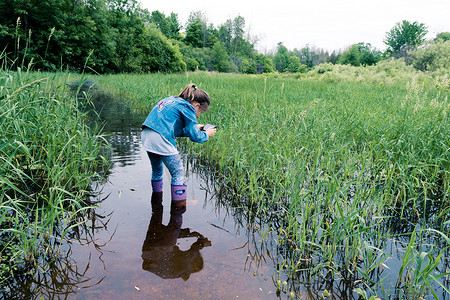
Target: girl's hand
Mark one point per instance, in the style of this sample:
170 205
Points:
210 131
200 126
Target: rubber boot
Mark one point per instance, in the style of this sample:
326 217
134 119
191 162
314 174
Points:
157 195
157 185
178 205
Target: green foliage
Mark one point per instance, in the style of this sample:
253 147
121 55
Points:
360 54
311 56
405 35
159 54
350 56
434 56
49 156
263 64
281 58
385 72
220 58
169 26
350 172
196 58
109 36
295 66
194 34
248 66
105 36
198 33
445 36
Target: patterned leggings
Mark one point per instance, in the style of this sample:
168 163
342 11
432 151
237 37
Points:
172 162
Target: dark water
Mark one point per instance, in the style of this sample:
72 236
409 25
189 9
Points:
224 267
211 257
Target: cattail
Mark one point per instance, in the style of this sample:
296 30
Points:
51 33
18 24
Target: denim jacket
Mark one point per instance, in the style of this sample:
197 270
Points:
175 117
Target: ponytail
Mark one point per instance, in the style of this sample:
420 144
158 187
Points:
193 94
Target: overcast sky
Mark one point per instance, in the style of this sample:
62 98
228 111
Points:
326 24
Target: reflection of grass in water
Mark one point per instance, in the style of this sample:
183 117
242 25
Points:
332 163
48 158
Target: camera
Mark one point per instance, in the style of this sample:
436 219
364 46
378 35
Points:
208 126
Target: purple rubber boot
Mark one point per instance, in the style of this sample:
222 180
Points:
157 185
178 205
157 195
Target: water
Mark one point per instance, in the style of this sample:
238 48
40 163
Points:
213 258
215 255
123 252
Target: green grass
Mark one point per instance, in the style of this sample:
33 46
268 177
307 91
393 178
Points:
344 167
48 157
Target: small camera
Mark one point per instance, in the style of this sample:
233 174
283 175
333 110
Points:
208 126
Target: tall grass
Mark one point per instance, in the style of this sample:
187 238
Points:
48 157
345 166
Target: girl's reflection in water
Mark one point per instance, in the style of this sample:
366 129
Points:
160 253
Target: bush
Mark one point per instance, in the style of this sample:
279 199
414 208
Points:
432 57
159 53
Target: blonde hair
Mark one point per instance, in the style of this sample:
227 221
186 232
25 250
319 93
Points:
193 94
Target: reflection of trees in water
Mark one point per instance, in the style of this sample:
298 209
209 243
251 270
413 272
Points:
120 123
124 148
122 126
56 275
392 234
59 276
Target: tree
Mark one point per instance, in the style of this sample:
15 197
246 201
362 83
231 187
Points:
306 56
351 56
360 54
263 64
248 66
194 34
295 66
220 58
281 58
433 57
169 26
238 32
198 33
405 36
225 35
445 36
158 53
368 55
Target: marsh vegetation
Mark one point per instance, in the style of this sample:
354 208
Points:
350 180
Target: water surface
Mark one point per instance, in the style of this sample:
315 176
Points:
215 257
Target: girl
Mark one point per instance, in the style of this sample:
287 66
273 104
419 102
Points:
173 117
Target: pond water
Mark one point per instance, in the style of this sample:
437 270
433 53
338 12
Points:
124 251
226 265
211 257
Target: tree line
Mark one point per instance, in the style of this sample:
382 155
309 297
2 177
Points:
112 36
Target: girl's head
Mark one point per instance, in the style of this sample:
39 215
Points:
192 94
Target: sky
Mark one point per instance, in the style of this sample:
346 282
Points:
326 24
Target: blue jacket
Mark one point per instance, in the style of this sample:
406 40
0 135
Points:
175 117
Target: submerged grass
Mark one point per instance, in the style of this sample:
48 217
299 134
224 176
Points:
48 157
346 167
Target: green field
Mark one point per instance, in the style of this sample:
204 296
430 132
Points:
336 169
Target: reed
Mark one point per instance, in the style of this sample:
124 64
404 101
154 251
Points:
48 160
339 168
